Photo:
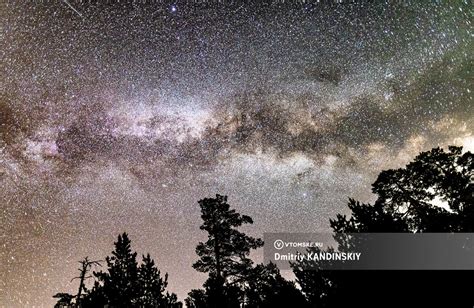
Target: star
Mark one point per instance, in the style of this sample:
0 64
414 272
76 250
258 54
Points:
120 118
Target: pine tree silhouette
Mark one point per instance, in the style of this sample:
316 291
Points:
266 288
407 201
120 282
225 255
152 286
125 284
233 280
197 298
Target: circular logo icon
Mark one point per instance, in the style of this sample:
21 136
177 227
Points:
278 244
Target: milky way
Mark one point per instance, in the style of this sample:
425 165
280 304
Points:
120 117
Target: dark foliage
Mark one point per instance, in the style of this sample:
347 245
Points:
233 280
266 288
64 300
120 282
196 299
408 201
225 255
126 284
434 193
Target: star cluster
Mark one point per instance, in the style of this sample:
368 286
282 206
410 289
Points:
121 116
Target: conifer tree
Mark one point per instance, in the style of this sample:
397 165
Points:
225 254
152 285
120 282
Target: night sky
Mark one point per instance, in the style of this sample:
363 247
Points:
120 117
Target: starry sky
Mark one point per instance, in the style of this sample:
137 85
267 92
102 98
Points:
121 116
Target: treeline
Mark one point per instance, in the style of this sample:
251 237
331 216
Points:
125 283
405 203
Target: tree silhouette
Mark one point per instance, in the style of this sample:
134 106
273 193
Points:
233 280
86 265
65 299
231 295
225 254
171 301
197 298
267 288
120 282
124 284
152 286
434 193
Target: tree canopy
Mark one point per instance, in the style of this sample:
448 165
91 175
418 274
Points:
434 193
125 283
